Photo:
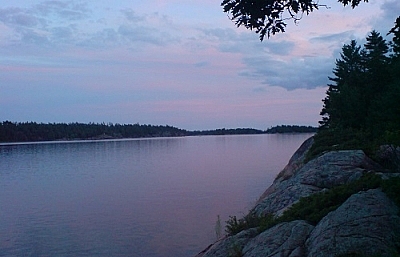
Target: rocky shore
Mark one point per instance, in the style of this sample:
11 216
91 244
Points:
366 224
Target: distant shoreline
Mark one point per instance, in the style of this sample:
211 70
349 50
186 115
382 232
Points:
32 132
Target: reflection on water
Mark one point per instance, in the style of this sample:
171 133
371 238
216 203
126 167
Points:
143 197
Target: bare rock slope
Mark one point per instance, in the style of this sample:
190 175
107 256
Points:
366 224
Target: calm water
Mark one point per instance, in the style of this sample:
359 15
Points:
145 197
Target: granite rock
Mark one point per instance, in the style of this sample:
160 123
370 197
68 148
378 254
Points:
367 224
324 172
283 240
229 246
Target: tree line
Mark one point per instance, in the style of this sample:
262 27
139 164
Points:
32 131
362 104
362 108
224 131
291 129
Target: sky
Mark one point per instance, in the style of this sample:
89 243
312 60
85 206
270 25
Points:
170 62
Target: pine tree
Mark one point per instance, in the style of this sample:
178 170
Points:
344 93
385 109
376 63
395 44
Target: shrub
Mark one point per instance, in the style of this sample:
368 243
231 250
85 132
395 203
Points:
234 226
391 187
314 207
341 139
251 220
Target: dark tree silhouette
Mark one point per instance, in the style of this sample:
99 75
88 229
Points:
362 107
268 17
342 104
396 37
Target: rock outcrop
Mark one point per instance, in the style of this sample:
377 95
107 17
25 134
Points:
284 239
366 224
329 170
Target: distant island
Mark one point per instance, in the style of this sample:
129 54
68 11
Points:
281 129
224 131
291 129
32 131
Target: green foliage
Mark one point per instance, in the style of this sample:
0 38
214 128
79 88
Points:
267 221
316 206
361 111
362 108
234 225
223 131
391 187
267 17
396 37
392 137
385 112
341 107
251 220
32 131
291 129
360 77
341 138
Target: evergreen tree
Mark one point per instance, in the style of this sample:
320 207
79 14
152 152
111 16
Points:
378 80
362 107
396 38
344 94
385 109
376 60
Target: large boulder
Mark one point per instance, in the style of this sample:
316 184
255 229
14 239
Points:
230 246
286 239
366 224
324 172
296 161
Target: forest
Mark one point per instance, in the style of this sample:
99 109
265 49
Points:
224 131
291 129
361 109
33 132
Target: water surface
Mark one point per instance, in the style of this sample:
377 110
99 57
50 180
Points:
137 197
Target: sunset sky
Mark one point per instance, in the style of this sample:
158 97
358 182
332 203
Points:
175 62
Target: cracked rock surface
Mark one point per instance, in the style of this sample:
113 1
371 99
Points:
324 172
285 239
366 224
